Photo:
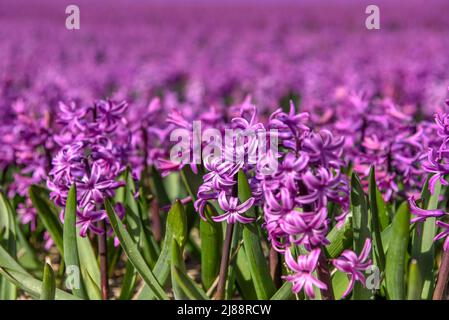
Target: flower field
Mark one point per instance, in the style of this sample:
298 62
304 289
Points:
224 151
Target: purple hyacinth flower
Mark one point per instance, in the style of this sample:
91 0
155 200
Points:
93 188
88 218
444 233
432 165
303 270
233 211
422 214
353 265
306 228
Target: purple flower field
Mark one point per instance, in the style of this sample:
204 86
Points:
224 150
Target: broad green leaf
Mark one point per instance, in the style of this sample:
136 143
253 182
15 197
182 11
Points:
361 229
94 291
188 286
243 277
376 212
31 285
177 263
252 240
423 249
71 256
284 292
47 215
8 262
211 235
340 282
15 273
8 237
396 254
233 274
162 268
134 218
132 251
48 284
414 281
26 254
177 223
88 262
340 238
129 281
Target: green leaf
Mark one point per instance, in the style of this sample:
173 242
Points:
188 287
134 218
47 215
71 256
89 262
423 249
27 255
361 229
284 292
376 213
31 285
132 251
340 282
15 273
48 284
95 291
8 262
340 238
177 262
162 268
414 282
396 254
129 281
8 238
177 223
211 235
252 240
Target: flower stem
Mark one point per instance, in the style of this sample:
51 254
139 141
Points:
219 294
156 221
443 275
275 268
102 251
325 276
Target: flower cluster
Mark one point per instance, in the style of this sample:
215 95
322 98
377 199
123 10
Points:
26 144
437 164
297 196
378 133
295 183
240 152
91 157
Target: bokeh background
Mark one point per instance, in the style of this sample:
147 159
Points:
217 52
